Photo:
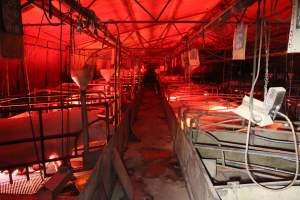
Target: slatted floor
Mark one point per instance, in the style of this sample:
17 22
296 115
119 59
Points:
22 186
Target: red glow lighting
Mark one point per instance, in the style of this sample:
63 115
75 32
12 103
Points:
221 108
54 164
173 98
187 122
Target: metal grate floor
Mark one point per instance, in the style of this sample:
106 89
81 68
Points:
22 186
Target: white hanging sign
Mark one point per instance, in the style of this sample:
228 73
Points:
194 57
294 37
239 42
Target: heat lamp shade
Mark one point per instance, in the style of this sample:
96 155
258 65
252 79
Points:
83 64
258 116
107 73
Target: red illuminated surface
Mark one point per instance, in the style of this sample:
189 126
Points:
42 42
42 51
20 128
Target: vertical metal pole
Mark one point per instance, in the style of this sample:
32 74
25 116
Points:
10 176
116 88
42 140
224 65
85 128
107 121
46 66
27 173
115 91
7 79
290 85
119 80
76 146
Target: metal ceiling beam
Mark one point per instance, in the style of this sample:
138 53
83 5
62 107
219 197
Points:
182 22
161 22
275 54
155 22
127 37
90 4
163 10
128 6
69 20
156 48
144 9
27 3
150 25
234 8
163 34
227 13
166 37
43 24
89 14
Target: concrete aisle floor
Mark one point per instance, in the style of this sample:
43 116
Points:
151 163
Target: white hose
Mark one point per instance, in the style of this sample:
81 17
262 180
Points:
296 157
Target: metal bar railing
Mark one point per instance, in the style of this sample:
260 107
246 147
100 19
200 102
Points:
42 138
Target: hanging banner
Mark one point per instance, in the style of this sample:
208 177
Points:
294 37
194 57
239 42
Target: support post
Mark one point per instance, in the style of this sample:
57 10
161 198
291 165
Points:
107 120
85 128
42 141
7 79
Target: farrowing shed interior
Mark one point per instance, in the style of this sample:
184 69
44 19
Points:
141 99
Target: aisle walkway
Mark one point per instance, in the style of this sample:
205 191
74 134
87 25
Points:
153 167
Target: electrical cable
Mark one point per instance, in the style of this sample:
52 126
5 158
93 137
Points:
256 75
254 55
254 80
296 157
61 80
267 50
